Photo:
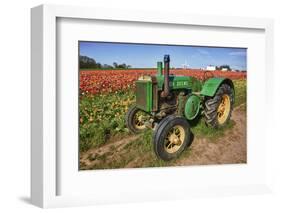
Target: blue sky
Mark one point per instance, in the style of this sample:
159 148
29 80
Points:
147 55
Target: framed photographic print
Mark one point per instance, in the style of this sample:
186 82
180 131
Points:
126 119
130 106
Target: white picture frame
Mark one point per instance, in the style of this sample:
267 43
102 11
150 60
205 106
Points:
44 149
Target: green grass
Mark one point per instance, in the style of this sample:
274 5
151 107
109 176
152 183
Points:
102 119
140 151
200 130
240 92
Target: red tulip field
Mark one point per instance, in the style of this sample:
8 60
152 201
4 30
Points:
104 81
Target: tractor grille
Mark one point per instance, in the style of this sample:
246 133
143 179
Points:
141 94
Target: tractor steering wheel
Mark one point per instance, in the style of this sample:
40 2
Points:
207 75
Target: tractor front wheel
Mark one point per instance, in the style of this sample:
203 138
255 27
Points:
135 119
218 108
171 137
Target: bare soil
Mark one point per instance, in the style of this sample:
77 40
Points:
230 148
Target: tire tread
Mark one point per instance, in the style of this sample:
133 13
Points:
211 105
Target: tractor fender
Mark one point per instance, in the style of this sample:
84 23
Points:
211 86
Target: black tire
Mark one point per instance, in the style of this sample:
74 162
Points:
161 132
130 120
212 104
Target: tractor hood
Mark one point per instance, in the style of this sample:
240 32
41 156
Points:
179 82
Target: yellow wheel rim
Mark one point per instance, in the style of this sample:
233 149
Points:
174 139
139 120
223 109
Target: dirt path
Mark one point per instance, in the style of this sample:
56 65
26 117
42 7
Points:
231 148
94 156
130 153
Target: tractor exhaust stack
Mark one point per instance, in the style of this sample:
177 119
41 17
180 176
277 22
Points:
166 91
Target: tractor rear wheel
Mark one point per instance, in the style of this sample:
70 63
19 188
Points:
135 119
171 137
218 109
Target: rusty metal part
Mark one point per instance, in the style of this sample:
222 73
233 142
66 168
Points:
166 91
154 94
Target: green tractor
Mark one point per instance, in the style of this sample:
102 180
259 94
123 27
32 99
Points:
168 103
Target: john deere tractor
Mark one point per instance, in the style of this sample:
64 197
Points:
168 103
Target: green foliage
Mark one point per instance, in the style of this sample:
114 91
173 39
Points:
240 87
223 67
86 62
102 117
201 130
